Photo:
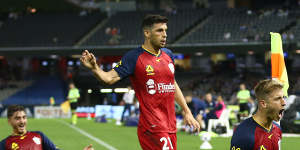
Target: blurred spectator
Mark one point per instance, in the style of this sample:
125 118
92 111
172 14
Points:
108 30
190 103
220 106
227 35
136 107
243 97
203 114
200 4
51 101
115 36
284 36
73 96
291 36
210 103
128 98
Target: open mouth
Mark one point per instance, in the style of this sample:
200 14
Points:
21 126
163 41
281 112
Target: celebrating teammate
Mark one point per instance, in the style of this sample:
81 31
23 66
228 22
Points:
151 71
260 131
23 139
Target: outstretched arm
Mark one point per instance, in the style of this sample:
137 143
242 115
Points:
188 117
89 61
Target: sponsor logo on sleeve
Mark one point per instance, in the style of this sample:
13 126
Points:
171 67
36 140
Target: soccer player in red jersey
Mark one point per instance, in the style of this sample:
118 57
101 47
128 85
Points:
23 139
260 132
151 71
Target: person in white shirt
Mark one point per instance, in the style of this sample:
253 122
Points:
128 98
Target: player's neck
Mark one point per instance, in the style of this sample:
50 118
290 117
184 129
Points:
262 119
18 134
149 47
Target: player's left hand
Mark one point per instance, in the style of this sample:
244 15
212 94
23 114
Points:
191 121
89 147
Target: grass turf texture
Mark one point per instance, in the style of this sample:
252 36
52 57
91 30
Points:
120 137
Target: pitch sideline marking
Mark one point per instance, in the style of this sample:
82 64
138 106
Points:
89 136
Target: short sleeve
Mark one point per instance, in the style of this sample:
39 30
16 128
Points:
243 137
47 144
126 66
169 52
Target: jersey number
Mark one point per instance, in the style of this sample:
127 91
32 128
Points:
166 147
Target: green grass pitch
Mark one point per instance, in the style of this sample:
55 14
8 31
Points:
120 137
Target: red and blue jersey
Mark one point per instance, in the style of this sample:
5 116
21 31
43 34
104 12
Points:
152 77
29 141
249 135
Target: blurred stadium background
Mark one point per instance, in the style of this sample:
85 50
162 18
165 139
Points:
218 44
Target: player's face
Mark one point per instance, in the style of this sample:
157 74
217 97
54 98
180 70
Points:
275 105
158 35
18 122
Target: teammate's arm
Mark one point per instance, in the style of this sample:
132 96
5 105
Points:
188 117
89 61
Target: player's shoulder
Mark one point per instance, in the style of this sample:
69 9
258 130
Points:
133 54
4 140
243 136
247 125
276 125
166 50
135 51
2 143
37 132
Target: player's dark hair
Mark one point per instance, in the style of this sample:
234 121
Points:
14 108
151 19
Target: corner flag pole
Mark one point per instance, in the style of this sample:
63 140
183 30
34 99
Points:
277 62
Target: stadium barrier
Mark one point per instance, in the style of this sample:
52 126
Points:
50 112
113 112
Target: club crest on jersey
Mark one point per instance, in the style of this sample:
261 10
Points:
36 140
149 70
151 87
171 67
14 146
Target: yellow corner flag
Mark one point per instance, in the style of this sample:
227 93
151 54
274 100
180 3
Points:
277 61
65 106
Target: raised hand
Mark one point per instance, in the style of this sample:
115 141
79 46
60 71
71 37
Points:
88 60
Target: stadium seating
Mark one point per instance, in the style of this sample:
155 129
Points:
238 25
47 29
39 93
12 88
130 31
